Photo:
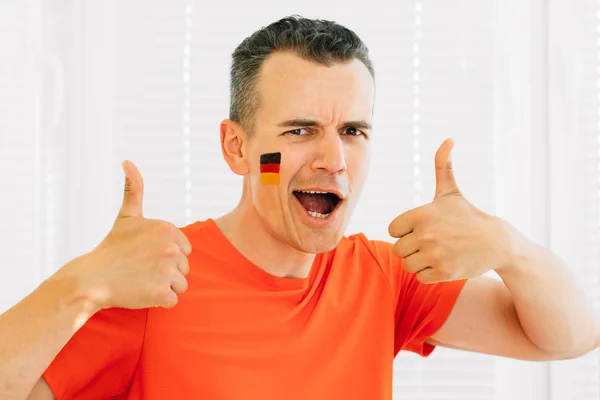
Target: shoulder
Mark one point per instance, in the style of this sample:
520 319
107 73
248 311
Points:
368 252
203 235
377 255
359 245
198 227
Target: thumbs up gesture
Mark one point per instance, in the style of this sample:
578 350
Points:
141 263
449 238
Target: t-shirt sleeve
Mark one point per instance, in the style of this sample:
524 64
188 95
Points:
421 309
100 359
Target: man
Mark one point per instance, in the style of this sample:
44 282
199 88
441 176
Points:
278 303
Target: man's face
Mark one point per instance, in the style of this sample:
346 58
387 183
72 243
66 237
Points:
319 119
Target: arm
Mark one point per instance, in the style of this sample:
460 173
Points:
33 332
536 313
140 264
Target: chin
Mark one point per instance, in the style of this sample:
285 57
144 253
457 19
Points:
319 242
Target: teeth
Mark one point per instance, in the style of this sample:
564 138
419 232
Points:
313 192
317 215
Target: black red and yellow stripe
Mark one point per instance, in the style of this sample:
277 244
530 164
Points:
269 168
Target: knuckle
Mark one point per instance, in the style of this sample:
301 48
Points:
189 247
166 272
429 236
164 228
184 285
163 293
185 267
437 258
171 301
170 250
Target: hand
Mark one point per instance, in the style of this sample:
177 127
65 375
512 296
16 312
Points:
141 263
449 239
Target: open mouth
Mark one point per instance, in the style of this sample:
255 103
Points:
318 204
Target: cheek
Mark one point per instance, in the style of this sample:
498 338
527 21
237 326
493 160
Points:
269 191
358 160
266 198
292 162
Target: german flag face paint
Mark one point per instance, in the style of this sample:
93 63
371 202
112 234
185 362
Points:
269 168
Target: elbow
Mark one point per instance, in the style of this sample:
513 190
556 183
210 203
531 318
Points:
577 351
572 346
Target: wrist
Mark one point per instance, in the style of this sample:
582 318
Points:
76 288
520 253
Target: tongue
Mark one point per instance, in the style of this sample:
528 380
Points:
320 203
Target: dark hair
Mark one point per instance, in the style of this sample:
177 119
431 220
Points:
321 41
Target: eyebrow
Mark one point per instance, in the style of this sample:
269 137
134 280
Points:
360 124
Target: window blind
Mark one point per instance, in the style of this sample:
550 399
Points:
148 81
574 60
434 80
20 178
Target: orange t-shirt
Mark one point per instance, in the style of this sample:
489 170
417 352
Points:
241 333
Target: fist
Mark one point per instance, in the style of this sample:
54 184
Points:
450 239
141 263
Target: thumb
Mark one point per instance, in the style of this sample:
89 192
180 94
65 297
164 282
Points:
445 184
133 193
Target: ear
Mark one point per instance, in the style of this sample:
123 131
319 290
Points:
232 146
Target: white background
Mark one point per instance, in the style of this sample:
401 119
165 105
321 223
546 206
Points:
86 84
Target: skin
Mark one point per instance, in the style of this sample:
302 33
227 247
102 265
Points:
535 313
447 239
141 263
331 155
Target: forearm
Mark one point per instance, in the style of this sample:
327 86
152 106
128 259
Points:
553 311
33 332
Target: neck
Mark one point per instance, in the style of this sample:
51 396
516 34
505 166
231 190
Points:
261 247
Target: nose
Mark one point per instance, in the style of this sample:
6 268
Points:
331 157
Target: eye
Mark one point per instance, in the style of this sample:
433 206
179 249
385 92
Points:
298 132
352 131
